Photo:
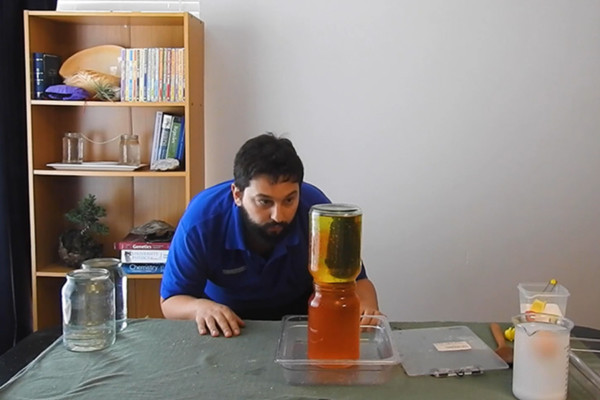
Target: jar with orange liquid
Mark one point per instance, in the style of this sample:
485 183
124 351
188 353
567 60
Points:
334 263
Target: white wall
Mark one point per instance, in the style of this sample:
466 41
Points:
467 130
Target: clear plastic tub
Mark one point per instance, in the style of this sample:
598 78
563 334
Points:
378 356
555 298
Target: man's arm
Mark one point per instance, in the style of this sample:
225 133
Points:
368 299
210 317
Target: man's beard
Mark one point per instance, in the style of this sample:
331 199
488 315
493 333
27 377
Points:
262 231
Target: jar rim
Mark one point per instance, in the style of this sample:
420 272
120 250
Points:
96 263
89 274
337 209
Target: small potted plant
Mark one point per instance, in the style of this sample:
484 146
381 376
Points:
79 244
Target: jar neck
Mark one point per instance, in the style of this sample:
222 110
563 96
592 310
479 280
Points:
335 287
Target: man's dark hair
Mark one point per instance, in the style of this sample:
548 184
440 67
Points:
267 155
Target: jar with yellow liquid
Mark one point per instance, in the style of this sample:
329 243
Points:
334 263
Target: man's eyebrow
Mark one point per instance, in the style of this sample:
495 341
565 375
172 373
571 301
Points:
266 196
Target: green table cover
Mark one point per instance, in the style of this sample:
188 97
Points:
163 359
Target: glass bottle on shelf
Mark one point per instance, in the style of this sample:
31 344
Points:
334 263
129 150
72 148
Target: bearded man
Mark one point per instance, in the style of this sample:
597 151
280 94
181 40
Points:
240 251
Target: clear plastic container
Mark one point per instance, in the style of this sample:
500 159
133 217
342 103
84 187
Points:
378 356
554 297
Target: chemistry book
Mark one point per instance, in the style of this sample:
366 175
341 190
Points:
129 268
138 242
144 256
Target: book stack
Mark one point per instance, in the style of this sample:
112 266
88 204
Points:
168 138
139 256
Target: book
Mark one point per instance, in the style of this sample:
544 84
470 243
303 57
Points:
156 138
144 256
45 72
179 154
129 268
137 242
174 136
167 122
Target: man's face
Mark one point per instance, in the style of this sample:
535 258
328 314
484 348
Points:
268 208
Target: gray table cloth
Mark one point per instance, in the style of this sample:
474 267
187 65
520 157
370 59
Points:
162 359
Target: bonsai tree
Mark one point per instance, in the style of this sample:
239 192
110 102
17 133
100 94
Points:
79 244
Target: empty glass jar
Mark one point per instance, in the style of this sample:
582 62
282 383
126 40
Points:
129 150
88 309
72 148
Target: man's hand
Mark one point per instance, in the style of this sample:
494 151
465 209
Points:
365 313
214 318
210 317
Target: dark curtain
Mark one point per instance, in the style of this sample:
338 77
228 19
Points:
15 267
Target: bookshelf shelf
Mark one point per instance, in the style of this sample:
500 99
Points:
60 271
133 174
130 198
77 103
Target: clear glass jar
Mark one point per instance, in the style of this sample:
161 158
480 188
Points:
72 148
119 279
334 322
334 263
88 310
335 240
129 150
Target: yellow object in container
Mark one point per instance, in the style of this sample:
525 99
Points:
538 306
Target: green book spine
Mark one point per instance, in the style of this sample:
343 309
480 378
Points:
174 137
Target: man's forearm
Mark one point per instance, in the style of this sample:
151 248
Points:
367 294
180 307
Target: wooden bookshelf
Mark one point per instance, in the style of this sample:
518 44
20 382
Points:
130 198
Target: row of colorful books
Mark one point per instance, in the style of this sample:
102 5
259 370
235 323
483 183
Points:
168 139
139 256
152 74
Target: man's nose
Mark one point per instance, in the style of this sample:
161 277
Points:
278 213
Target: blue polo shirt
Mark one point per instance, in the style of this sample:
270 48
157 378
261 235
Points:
209 258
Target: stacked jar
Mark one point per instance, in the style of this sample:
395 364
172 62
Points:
334 263
119 280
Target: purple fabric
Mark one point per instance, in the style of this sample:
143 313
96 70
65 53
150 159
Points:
66 92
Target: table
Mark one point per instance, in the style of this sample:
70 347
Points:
163 359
